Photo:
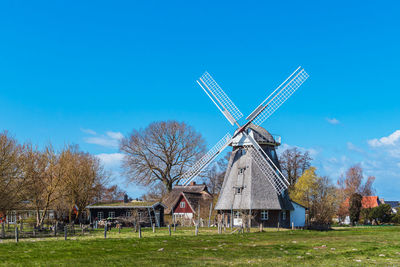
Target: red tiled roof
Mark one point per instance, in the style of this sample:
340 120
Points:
370 202
366 202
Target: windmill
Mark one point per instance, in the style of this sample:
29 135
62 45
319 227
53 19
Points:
251 140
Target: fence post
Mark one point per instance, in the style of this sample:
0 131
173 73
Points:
140 231
55 229
154 228
65 232
292 225
105 230
261 227
3 230
278 226
196 230
119 228
16 234
169 229
209 215
34 232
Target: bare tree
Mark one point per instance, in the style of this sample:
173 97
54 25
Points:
293 164
111 193
83 177
11 179
352 182
156 192
43 179
214 176
161 153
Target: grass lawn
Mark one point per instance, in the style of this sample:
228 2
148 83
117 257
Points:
358 246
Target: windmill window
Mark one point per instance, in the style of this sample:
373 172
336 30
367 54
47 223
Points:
284 215
100 215
241 170
238 190
182 205
264 215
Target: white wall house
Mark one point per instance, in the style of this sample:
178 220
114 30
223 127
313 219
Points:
298 215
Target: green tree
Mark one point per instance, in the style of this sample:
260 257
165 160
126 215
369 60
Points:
382 213
317 194
355 208
305 188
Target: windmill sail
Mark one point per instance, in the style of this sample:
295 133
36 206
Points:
273 176
278 97
201 164
220 99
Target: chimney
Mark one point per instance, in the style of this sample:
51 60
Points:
192 183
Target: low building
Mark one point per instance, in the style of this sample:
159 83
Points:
184 202
366 203
146 213
298 215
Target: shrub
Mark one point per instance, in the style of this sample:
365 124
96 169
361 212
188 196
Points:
382 213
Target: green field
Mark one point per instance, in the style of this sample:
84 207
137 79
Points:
358 246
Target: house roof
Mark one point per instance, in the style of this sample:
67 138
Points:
370 202
190 191
120 205
366 202
393 204
194 200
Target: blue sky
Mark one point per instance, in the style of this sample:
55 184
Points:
87 73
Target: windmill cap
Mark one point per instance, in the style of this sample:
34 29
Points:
261 135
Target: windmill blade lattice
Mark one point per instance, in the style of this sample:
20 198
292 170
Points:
273 176
220 99
201 164
284 91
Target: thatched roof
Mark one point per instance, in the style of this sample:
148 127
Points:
132 204
257 193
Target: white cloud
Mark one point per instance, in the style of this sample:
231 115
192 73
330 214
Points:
333 121
111 160
88 131
115 135
110 139
390 140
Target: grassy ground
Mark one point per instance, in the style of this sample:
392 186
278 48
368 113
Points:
341 247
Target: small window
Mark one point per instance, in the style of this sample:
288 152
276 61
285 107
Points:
111 214
238 190
284 215
128 214
241 170
100 215
264 215
182 205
